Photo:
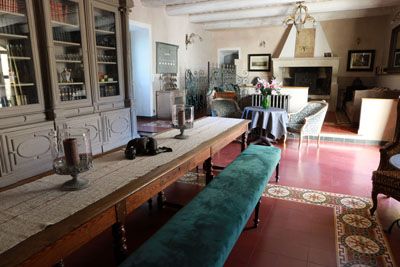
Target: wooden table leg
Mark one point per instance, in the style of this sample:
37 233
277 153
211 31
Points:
244 140
119 233
208 169
160 200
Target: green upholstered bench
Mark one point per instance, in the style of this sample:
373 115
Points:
204 232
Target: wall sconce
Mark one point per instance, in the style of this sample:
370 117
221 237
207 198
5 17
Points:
262 44
358 41
189 38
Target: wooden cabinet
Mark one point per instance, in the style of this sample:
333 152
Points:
61 67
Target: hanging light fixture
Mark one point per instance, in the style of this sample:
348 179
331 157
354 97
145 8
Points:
299 16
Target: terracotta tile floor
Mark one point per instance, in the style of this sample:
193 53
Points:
290 234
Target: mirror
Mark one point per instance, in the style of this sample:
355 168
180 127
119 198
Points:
394 52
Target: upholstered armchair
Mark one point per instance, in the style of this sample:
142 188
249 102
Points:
224 107
308 121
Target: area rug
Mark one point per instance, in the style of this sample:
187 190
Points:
360 239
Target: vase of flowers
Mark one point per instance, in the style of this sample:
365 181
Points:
267 89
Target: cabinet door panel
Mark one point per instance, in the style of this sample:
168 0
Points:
117 128
29 151
105 28
93 123
68 61
20 81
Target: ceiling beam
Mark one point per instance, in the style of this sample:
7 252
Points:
276 21
317 7
222 5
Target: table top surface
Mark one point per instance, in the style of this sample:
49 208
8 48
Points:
395 161
30 209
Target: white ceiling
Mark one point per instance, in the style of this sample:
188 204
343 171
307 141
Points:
225 14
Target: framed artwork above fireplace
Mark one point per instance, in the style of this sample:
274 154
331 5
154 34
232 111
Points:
360 60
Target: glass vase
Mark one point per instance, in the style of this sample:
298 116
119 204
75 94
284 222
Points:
72 155
182 118
266 102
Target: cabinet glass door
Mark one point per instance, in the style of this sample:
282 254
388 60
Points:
106 56
17 76
67 40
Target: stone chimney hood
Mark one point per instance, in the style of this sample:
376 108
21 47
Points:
320 57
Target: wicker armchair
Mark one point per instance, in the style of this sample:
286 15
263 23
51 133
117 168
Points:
224 107
386 179
308 121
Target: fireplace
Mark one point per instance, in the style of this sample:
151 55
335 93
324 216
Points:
317 79
319 74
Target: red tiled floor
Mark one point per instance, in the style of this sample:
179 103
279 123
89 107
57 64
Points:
290 234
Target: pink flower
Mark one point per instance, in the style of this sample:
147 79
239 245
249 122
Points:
258 86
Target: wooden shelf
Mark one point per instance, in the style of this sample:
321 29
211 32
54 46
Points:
108 82
68 61
105 47
66 43
20 58
13 36
3 12
64 24
103 31
107 63
18 84
75 83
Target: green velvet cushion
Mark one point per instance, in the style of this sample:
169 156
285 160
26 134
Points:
204 232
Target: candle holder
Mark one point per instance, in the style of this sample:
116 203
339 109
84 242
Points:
72 155
182 119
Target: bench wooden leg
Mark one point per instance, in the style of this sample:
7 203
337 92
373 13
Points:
277 172
256 213
150 203
208 169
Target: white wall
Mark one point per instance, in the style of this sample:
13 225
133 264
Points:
342 36
170 29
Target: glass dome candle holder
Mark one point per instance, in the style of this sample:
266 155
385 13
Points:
182 118
72 155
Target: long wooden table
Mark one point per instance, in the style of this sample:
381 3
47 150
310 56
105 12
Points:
130 185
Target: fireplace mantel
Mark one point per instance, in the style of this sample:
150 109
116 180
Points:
280 63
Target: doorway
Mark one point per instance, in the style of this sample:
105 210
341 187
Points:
142 68
227 56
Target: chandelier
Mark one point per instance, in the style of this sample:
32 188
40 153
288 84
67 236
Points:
299 17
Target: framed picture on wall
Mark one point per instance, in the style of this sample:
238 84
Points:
259 62
360 60
396 62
